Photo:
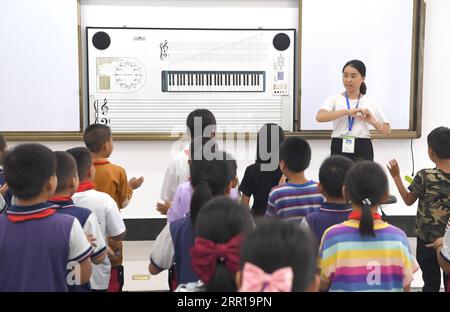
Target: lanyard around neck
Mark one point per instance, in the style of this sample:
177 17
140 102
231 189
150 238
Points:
351 120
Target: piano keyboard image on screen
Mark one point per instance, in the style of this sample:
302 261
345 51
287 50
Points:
213 81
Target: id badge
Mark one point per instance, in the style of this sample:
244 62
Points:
348 145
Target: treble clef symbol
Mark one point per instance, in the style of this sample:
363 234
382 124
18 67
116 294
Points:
104 107
163 50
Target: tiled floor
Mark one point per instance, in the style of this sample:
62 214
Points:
137 277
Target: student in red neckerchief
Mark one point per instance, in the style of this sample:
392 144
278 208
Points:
111 179
37 244
66 172
366 253
105 209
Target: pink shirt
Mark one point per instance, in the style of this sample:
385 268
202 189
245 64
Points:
182 201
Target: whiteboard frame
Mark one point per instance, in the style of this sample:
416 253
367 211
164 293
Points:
416 90
416 83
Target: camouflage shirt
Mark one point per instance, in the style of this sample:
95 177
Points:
432 187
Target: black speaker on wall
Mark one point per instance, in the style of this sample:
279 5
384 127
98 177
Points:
101 40
281 41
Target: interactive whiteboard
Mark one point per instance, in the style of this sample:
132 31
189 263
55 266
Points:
148 80
379 33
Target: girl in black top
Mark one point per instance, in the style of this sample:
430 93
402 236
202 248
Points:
264 174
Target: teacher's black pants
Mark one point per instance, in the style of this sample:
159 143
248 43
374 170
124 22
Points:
363 149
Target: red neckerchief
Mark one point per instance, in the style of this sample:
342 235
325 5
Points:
60 199
101 162
39 215
356 215
85 186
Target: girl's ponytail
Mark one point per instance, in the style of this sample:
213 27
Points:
222 280
209 178
366 223
366 184
202 194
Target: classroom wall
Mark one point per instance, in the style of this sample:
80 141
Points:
150 159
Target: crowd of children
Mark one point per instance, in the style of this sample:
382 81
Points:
299 234
64 194
323 235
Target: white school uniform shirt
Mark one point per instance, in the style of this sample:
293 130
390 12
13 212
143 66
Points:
445 251
79 246
2 204
92 227
163 252
111 224
176 173
360 128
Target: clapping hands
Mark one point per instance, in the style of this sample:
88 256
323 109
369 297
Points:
135 183
163 207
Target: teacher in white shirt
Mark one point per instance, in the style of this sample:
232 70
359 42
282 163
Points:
352 112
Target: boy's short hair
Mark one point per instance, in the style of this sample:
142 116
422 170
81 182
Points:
95 136
332 174
439 141
2 143
28 167
66 169
83 159
296 153
207 119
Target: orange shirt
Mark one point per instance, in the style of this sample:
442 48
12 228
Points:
112 179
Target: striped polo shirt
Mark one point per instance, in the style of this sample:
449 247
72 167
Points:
87 219
329 214
292 201
350 261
